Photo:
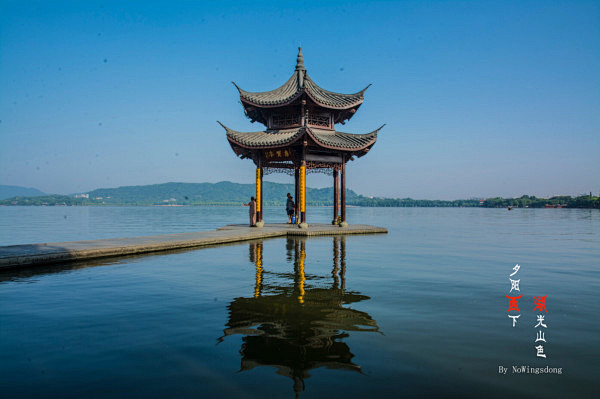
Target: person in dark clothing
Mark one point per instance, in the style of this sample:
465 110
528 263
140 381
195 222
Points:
252 211
289 207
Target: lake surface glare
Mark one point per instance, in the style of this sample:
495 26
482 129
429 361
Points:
418 312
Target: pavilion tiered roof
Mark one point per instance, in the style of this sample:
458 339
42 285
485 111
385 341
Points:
326 138
300 85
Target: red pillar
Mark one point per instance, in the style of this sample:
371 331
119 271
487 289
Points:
259 191
343 189
303 192
262 209
336 196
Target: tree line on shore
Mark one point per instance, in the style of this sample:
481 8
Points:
274 194
526 201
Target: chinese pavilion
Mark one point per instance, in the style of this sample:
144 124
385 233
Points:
300 136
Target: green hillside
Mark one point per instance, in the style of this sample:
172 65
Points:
228 193
222 193
14 191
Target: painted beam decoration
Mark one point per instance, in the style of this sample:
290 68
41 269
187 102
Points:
278 154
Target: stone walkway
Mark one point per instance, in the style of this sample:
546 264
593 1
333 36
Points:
16 256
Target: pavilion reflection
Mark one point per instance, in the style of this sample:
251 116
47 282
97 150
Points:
296 321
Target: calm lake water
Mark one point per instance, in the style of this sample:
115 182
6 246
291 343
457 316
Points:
421 311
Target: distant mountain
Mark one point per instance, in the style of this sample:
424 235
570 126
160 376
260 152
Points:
17 191
228 193
222 193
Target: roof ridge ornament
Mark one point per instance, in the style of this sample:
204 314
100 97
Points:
300 69
300 61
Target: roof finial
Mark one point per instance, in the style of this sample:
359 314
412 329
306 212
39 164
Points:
300 61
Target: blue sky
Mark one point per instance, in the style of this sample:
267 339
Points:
480 98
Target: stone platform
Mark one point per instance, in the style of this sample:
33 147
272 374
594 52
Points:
16 256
